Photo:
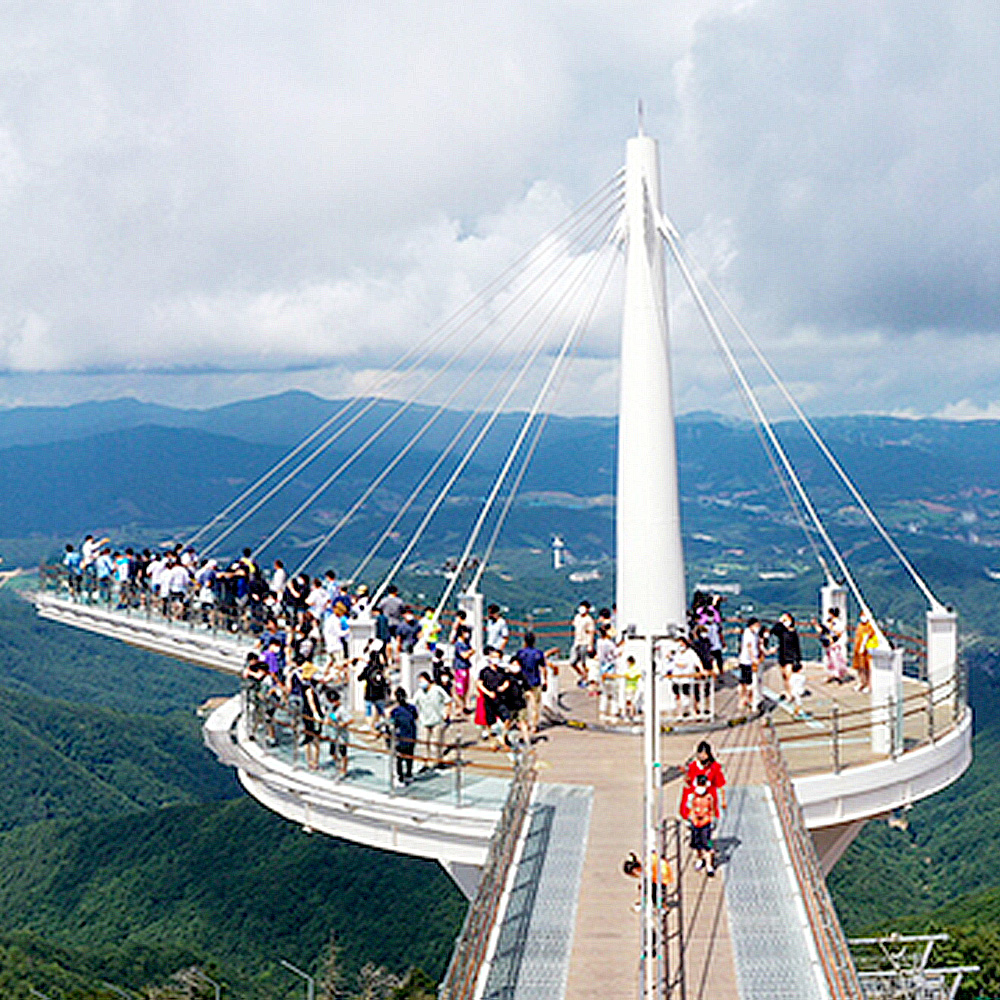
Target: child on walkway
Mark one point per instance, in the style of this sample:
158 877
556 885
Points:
700 807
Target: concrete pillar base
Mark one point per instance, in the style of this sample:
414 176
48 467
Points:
832 841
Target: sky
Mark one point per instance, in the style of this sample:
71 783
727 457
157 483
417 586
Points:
206 202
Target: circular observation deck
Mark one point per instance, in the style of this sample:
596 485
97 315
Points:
849 759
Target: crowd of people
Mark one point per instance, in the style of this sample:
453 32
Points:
306 660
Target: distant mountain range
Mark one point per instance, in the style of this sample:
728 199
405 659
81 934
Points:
123 464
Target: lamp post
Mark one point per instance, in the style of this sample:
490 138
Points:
310 982
216 986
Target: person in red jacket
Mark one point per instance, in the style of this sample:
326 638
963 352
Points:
705 763
700 807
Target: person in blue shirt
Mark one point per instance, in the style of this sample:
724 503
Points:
404 724
533 672
74 573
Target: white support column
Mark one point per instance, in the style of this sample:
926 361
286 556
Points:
411 666
886 699
650 585
362 631
833 595
942 654
471 602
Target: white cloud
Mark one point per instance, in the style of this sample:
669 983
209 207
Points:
261 197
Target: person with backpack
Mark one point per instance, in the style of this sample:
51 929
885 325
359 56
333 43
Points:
376 685
700 807
403 718
312 715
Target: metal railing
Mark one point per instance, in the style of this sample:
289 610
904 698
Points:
468 958
837 736
831 945
241 624
898 967
673 976
278 726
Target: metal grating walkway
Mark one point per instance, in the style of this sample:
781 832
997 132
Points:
531 961
766 913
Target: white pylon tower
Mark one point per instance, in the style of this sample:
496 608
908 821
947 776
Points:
650 584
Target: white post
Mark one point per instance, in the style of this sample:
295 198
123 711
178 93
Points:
471 602
362 631
650 585
942 655
411 666
886 695
653 783
833 595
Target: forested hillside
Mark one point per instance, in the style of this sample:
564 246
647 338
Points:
125 856
228 884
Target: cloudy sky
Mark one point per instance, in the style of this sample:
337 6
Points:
206 201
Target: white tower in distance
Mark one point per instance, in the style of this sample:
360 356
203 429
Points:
558 545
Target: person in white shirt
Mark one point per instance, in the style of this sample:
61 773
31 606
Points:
154 574
607 665
431 701
177 582
278 579
497 631
749 660
583 642
685 664
318 600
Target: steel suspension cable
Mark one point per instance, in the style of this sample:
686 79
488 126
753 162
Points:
403 452
820 443
670 234
586 220
571 336
779 473
457 471
530 453
420 391
432 471
412 358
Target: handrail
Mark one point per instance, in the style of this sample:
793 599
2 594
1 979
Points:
293 724
834 954
467 959
901 719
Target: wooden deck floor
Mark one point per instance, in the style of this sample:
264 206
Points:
605 957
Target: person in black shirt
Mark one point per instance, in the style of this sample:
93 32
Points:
492 685
376 686
789 652
514 699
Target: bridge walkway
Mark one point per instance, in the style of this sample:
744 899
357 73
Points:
604 960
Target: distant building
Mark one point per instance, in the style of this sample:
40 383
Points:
558 547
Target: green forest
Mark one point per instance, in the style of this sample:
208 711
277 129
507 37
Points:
129 856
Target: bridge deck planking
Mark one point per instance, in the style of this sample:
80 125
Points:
605 956
807 743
